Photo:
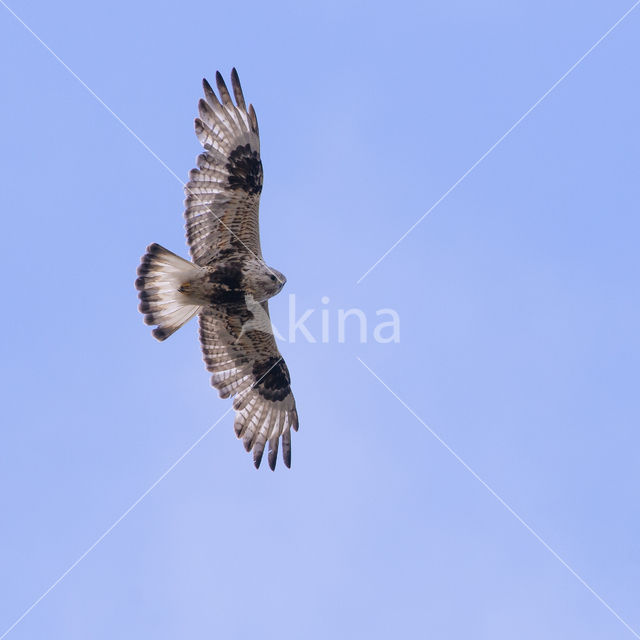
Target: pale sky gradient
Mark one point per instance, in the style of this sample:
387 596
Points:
518 298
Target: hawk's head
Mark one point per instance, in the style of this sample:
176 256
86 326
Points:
267 283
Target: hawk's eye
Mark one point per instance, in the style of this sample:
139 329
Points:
273 278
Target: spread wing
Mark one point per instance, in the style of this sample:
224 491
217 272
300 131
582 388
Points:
223 193
241 353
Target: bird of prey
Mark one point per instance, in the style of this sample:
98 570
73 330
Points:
227 284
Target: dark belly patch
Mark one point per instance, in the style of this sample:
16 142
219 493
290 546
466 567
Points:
227 284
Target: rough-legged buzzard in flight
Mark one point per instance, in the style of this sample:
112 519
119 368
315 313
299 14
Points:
228 283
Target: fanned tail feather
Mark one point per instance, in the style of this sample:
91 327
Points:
160 275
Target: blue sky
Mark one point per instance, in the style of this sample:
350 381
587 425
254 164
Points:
518 299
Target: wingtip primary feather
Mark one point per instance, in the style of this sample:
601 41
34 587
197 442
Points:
205 111
222 88
237 89
273 453
257 457
209 93
286 449
198 125
253 119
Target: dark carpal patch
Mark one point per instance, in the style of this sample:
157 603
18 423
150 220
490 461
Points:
245 170
272 378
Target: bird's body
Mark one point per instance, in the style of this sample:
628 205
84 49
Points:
231 281
228 283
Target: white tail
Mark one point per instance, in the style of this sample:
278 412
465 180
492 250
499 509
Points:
160 275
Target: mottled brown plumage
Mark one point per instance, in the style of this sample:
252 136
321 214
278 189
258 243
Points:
228 283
